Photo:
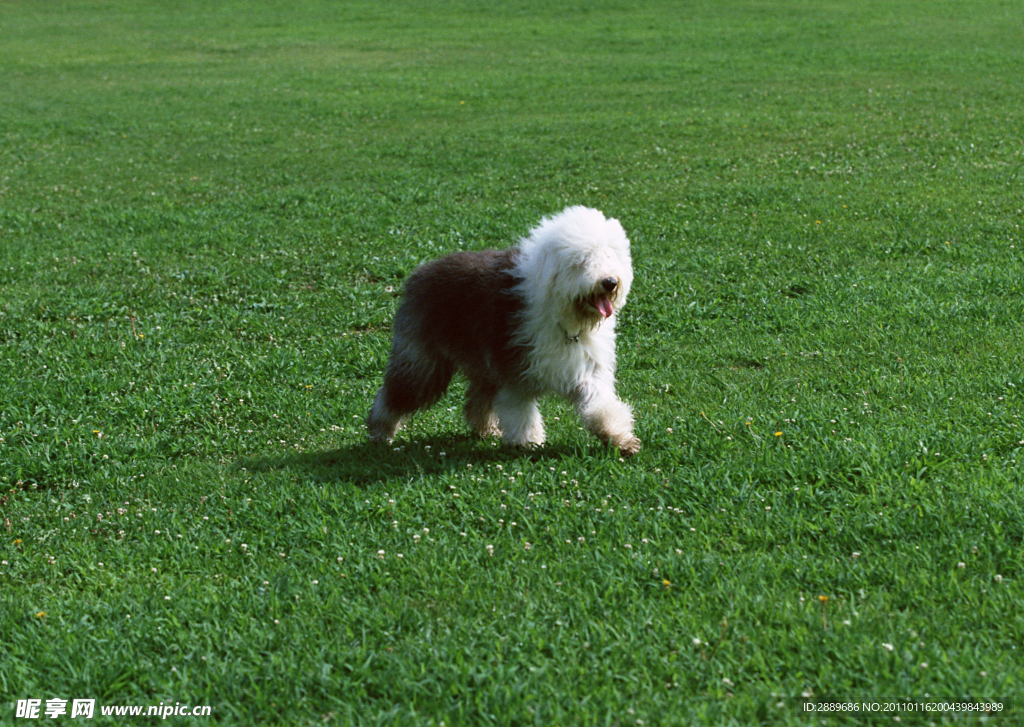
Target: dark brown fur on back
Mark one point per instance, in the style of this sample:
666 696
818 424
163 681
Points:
460 311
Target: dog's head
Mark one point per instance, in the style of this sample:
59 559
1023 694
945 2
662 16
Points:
578 263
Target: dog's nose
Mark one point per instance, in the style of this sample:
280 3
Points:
609 284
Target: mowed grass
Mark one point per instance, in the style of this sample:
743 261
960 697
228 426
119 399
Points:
205 213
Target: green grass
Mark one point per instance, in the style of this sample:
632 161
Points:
204 211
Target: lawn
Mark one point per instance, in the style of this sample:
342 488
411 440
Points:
206 211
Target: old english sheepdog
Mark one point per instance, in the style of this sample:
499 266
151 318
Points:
535 319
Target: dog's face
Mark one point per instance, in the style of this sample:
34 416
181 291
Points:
598 284
582 266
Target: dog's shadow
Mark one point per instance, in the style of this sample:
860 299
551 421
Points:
366 464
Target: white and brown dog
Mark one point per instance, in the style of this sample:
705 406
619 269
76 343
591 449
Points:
535 319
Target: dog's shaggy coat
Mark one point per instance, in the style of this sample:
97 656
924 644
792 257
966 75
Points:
536 319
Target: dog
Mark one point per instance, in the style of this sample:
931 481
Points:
522 323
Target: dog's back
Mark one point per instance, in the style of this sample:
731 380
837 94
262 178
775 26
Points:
461 307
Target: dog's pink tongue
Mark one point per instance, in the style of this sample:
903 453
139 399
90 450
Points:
604 305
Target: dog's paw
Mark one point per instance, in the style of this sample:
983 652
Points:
487 429
524 444
529 436
629 447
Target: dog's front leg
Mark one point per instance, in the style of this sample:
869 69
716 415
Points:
519 418
606 416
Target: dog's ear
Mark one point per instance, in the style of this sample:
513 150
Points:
616 234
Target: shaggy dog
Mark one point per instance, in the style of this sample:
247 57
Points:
536 319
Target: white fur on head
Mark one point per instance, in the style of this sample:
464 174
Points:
566 264
566 257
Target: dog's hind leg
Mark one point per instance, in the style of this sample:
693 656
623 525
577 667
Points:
519 418
480 409
414 380
383 421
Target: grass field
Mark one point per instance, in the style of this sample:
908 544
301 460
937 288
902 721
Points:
205 210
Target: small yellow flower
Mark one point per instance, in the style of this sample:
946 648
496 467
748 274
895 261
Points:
778 434
823 599
665 582
41 614
17 541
